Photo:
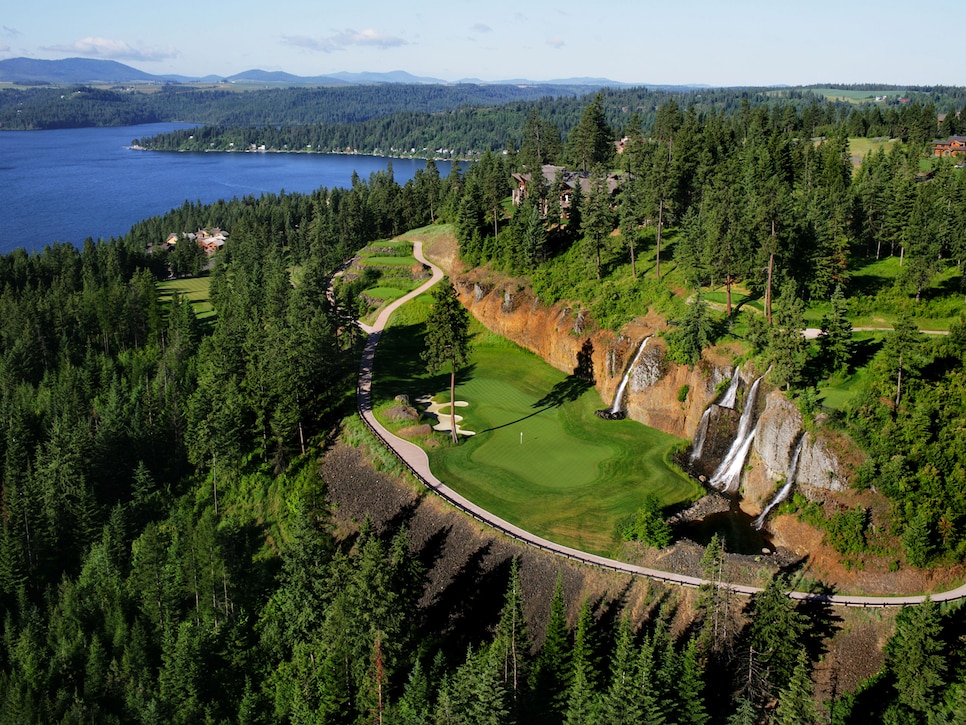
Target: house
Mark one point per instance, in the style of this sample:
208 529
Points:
570 180
522 181
952 146
211 240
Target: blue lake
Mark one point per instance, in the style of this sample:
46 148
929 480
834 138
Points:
68 185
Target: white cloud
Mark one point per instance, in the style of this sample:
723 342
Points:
4 48
556 42
114 50
340 41
481 28
7 30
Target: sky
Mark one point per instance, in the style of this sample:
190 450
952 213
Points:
710 42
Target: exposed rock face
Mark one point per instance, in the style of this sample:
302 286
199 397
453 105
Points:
820 468
558 334
564 336
779 428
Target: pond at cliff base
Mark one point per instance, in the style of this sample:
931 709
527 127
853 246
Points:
734 527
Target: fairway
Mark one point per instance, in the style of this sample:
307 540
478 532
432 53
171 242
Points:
541 458
195 289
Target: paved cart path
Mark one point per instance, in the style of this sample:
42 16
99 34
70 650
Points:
417 461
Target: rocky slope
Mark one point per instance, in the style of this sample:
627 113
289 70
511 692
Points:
659 393
561 334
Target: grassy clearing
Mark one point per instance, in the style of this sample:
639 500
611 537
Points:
540 458
377 261
838 391
862 147
387 294
387 268
852 95
429 234
195 289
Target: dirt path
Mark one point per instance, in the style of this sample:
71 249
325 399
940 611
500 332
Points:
417 461
812 333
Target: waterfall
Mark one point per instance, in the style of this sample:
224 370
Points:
727 401
728 475
787 488
616 407
700 434
731 394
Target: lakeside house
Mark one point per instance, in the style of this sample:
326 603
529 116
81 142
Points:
210 240
952 146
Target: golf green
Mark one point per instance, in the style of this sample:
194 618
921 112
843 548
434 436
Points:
543 460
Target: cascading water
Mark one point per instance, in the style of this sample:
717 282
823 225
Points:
728 475
731 394
727 401
615 409
786 489
700 434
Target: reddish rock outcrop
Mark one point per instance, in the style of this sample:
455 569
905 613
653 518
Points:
659 393
561 334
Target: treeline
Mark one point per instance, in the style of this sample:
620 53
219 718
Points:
83 106
472 129
752 201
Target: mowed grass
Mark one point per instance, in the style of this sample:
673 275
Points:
861 147
377 261
541 458
195 289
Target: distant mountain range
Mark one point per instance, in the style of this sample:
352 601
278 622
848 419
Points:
32 71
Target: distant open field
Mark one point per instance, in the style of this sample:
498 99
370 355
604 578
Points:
854 95
861 147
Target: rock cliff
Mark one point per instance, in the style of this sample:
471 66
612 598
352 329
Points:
561 335
659 393
779 429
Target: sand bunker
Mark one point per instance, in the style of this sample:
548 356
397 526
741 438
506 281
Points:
444 419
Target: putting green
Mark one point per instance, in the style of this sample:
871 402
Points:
542 460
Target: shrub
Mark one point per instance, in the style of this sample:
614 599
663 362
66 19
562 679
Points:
648 525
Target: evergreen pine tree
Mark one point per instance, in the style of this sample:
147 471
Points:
690 688
835 342
787 348
621 703
582 699
796 701
744 714
447 340
775 632
650 695
915 656
551 672
512 643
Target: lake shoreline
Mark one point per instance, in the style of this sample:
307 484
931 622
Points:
68 185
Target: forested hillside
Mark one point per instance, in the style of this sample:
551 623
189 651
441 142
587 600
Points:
168 552
470 130
81 106
751 234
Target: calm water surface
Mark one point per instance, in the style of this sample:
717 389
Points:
67 185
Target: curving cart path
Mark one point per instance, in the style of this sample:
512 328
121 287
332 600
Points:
417 461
